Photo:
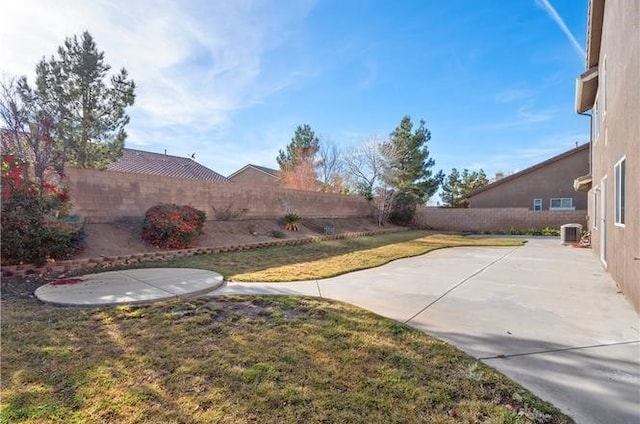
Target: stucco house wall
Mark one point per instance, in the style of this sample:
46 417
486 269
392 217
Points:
615 53
552 178
256 175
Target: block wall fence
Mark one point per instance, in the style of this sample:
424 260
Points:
495 219
106 196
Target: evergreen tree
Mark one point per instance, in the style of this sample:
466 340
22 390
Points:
297 163
409 167
89 116
457 186
303 146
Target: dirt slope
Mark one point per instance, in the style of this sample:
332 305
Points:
123 238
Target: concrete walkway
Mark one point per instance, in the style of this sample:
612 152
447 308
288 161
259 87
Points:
545 315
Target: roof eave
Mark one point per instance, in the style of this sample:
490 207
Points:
238 171
594 32
583 183
586 90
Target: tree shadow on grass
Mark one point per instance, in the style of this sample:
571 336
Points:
195 360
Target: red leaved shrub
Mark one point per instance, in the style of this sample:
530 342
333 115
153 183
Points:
172 226
35 221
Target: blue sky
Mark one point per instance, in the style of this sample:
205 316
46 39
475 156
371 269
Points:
231 80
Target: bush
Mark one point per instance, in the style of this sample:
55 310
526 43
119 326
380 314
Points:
172 226
290 221
549 232
277 234
35 221
229 212
403 209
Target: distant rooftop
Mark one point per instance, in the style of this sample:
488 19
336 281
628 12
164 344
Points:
501 179
149 163
273 172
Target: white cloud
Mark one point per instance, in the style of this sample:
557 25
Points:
555 16
371 74
513 95
194 62
523 117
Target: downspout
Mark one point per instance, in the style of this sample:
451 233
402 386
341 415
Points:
590 115
590 139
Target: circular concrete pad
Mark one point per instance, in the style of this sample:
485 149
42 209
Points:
129 286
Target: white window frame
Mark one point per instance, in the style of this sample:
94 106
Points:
562 200
619 191
537 204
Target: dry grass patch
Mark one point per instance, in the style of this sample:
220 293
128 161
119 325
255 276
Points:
328 258
243 360
332 264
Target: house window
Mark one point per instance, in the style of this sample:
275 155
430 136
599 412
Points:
537 204
619 190
561 204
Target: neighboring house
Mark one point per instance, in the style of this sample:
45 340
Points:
149 163
545 186
610 88
256 175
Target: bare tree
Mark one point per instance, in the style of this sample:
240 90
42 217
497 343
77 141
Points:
329 166
364 166
28 128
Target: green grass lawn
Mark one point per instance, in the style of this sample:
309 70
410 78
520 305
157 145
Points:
243 360
250 359
327 258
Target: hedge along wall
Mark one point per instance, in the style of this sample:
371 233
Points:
494 219
106 196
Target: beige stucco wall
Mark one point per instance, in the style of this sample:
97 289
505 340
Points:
251 176
619 137
105 196
554 180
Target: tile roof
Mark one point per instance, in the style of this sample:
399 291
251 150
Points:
272 172
149 163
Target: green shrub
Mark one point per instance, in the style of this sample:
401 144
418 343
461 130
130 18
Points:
549 232
35 221
172 226
290 218
277 234
403 209
291 221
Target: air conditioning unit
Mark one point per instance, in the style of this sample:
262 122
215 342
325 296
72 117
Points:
570 233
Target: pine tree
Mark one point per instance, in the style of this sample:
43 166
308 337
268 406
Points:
297 163
89 115
304 144
409 167
457 186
